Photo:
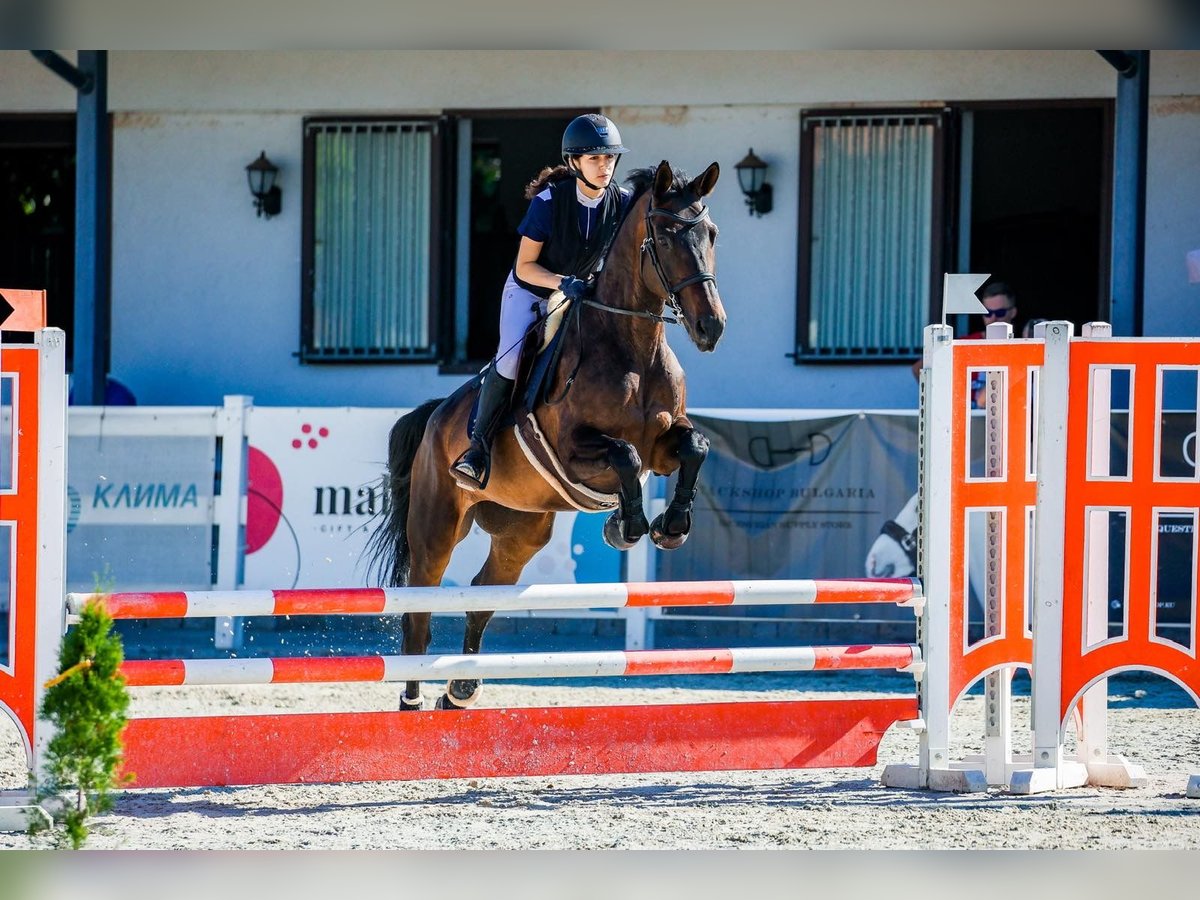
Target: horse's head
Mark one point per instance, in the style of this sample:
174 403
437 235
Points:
680 248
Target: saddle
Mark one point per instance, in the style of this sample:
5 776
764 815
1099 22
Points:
536 364
540 356
540 353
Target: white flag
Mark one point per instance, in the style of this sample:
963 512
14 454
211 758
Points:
958 294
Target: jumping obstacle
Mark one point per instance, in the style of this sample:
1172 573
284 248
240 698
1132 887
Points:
1031 475
1044 485
190 751
414 745
183 751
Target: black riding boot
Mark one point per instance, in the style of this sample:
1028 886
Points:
471 470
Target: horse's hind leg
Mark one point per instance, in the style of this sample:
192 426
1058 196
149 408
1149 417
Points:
438 519
516 537
689 448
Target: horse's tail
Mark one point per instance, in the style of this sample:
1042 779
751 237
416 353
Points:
387 550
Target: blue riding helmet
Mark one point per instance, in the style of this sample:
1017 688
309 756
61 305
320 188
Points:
589 134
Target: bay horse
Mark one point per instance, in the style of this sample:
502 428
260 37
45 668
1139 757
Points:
620 414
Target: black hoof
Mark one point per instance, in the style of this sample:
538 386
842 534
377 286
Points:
407 705
444 702
662 539
615 535
460 694
463 691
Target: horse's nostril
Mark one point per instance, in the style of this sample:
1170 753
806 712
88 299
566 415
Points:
711 328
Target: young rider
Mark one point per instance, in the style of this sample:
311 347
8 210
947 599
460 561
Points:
574 212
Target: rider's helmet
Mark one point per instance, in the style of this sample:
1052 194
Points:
592 133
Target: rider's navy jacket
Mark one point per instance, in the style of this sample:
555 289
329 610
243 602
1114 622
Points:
573 235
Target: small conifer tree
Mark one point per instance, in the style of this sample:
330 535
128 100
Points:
86 704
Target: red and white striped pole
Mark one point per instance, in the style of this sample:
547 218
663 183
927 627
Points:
392 601
306 670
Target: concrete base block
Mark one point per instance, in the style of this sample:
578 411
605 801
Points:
1117 773
905 777
1039 781
954 780
18 810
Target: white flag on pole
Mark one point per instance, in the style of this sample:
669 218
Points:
958 295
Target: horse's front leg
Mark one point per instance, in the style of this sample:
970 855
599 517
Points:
687 446
627 525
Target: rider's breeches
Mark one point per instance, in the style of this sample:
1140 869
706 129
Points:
518 310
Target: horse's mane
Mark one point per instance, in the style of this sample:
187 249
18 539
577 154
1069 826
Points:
641 180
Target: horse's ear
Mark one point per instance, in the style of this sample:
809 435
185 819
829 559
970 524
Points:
702 185
663 179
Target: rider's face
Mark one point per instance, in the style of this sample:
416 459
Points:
597 168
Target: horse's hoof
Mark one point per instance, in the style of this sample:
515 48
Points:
463 692
447 702
460 694
662 539
407 705
614 535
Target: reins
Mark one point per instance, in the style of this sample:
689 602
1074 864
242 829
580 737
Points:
640 313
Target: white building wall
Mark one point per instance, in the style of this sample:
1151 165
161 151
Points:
315 81
1172 216
206 298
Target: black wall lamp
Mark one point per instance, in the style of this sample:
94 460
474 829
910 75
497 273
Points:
752 175
261 173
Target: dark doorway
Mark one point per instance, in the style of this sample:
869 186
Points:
37 211
506 153
1039 207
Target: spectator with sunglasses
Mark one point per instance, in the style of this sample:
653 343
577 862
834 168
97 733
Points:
1001 305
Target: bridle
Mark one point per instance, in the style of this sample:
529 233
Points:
671 291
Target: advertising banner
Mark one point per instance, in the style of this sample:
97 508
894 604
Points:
795 498
315 494
139 509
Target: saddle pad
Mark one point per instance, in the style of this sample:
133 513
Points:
542 457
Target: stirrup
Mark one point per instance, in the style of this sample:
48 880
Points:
464 473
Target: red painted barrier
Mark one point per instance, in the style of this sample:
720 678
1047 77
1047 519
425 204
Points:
397 746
